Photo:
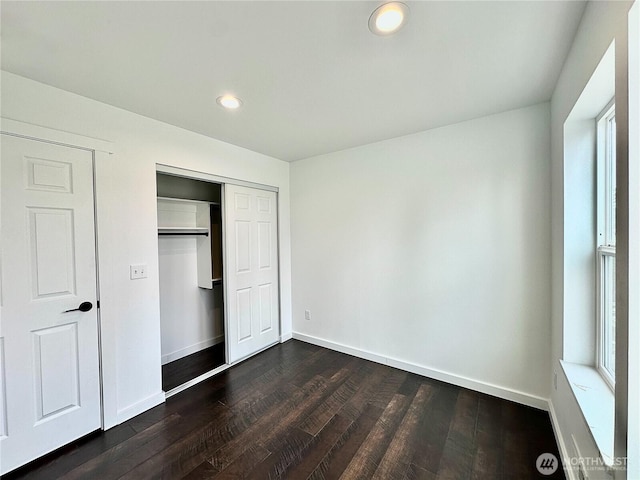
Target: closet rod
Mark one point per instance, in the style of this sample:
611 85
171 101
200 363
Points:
206 234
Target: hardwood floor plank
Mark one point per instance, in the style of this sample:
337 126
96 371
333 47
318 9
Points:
204 471
519 446
459 448
373 376
411 384
291 447
99 466
388 388
398 456
487 461
216 388
212 435
327 410
236 446
536 423
326 366
517 464
319 446
434 427
153 450
60 462
299 411
364 463
278 423
337 459
269 378
297 416
245 463
414 472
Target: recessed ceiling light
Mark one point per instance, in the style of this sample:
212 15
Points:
229 102
388 18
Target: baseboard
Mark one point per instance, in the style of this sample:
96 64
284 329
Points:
562 446
479 386
196 347
140 407
285 337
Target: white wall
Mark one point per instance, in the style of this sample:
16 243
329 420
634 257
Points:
126 198
597 30
191 317
434 250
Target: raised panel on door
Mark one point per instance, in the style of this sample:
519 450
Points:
241 202
52 252
56 365
51 381
48 175
244 314
252 266
266 307
242 245
264 245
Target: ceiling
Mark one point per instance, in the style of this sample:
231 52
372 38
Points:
312 77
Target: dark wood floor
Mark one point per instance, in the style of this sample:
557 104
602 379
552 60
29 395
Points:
298 411
187 368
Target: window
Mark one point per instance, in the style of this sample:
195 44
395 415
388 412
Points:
606 245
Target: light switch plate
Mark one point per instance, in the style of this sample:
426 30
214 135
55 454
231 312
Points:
138 271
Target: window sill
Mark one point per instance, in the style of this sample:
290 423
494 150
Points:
597 403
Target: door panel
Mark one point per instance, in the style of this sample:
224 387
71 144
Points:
266 307
51 252
48 175
243 246
244 314
56 367
264 245
50 360
252 266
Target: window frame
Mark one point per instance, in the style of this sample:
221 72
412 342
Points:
605 242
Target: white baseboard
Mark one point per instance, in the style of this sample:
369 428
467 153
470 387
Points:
562 446
140 407
479 386
196 347
286 336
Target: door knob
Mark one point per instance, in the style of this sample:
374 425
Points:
83 307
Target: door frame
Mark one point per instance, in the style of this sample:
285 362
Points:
208 177
101 151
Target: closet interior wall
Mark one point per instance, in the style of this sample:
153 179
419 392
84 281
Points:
189 236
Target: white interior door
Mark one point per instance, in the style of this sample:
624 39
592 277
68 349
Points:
251 270
50 374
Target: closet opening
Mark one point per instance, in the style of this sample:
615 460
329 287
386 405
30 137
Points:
190 259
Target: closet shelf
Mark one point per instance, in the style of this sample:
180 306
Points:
183 231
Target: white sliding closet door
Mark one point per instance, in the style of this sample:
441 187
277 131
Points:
251 270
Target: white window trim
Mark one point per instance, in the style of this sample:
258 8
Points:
603 173
603 252
605 243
